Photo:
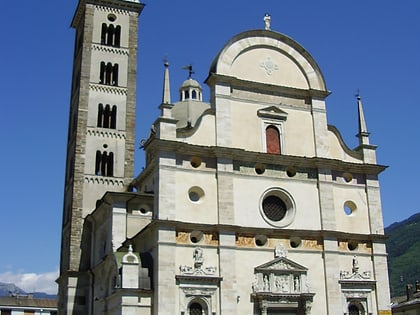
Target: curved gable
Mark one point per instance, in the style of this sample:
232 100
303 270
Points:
269 57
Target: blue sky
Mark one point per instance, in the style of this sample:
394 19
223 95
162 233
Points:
371 46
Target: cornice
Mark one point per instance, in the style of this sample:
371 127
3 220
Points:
107 89
110 49
110 181
118 6
264 88
106 133
251 156
270 232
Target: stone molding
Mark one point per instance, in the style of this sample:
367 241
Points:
107 89
110 49
110 181
106 133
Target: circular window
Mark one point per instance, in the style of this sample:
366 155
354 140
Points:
111 17
277 207
195 194
352 245
291 171
349 207
348 177
195 161
259 169
274 208
196 236
295 242
260 240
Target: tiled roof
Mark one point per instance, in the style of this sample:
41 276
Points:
27 301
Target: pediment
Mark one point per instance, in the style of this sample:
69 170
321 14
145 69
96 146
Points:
281 264
272 112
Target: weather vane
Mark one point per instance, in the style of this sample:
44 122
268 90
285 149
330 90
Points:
190 70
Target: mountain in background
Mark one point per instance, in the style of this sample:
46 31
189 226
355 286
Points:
7 289
403 247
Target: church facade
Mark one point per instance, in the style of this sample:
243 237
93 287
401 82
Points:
248 204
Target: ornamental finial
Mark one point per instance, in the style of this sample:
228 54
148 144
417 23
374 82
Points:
267 20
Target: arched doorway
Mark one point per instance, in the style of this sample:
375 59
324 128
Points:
197 307
356 308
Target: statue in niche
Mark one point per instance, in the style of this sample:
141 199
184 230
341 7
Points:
198 254
278 284
285 283
297 284
266 284
255 287
355 268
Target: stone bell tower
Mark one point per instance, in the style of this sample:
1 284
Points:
101 134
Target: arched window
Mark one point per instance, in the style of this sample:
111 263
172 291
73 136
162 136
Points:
108 74
100 115
117 36
102 71
98 161
110 35
272 137
103 33
115 75
196 309
356 308
194 94
353 310
104 163
110 164
107 116
113 117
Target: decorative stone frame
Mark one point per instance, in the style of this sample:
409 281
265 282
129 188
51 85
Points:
281 284
288 201
203 289
272 116
357 288
198 284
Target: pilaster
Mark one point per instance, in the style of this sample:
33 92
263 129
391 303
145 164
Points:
227 261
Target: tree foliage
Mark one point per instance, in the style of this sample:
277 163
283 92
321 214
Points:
403 246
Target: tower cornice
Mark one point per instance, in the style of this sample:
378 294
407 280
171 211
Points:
128 5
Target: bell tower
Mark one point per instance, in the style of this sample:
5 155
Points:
101 134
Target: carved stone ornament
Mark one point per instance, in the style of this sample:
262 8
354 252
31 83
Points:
198 269
269 66
355 274
280 251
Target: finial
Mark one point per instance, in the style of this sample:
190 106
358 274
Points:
267 20
130 248
363 134
166 95
190 70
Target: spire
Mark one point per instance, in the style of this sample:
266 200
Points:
363 134
166 95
